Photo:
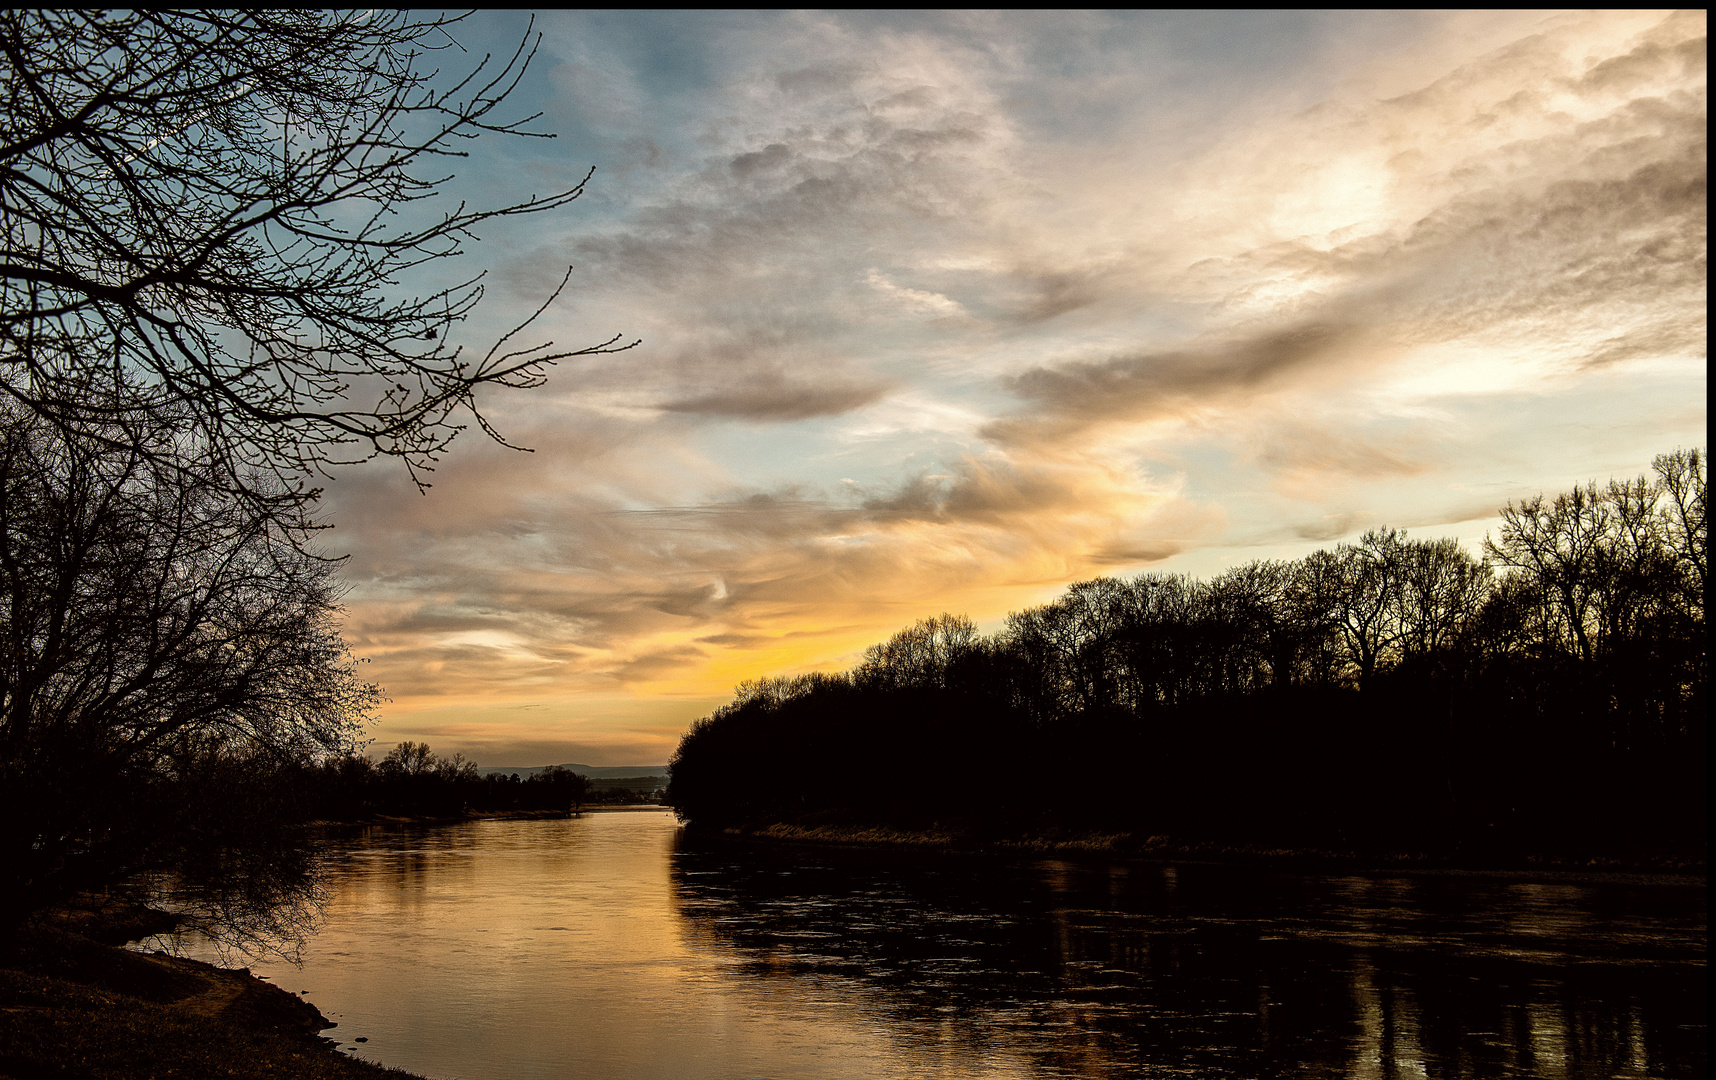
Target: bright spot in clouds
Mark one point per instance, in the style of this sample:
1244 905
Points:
943 312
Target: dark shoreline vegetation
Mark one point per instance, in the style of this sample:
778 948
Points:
1391 699
412 782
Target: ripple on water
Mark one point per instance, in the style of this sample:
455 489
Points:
606 946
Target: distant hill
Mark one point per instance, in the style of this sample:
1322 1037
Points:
594 772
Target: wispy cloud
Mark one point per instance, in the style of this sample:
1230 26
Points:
942 312
772 396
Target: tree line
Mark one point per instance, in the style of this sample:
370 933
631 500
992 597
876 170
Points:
1391 693
413 781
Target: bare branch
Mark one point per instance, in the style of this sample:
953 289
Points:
207 217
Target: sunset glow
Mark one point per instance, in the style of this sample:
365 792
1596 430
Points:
944 312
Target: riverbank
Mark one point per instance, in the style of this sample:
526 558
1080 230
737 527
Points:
1130 846
74 1005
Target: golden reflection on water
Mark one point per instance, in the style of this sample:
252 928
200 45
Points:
539 949
602 947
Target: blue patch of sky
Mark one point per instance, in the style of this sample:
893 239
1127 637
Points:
1082 74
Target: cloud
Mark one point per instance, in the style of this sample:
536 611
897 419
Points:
602 597
1136 387
651 666
916 300
942 312
1587 236
775 398
751 272
1330 527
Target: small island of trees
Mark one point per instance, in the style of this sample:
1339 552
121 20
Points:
1392 695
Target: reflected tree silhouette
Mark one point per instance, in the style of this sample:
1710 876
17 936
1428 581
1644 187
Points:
1105 969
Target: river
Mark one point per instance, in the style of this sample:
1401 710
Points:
607 947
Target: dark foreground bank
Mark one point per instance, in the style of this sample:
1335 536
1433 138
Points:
76 1006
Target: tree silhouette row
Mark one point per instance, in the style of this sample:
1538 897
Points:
1390 694
413 781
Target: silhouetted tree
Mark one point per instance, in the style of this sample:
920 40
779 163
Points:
926 655
1683 481
210 222
1559 544
1441 588
560 789
1253 637
218 277
408 760
1368 602
151 629
1313 602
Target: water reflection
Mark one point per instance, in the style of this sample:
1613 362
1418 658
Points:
1137 970
608 948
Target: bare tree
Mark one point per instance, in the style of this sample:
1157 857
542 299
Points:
1250 603
156 636
1368 601
1610 560
408 759
1085 630
1313 602
1442 588
1683 479
922 656
1035 643
212 220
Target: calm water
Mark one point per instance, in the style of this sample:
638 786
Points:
606 948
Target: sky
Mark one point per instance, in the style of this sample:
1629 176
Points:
943 312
